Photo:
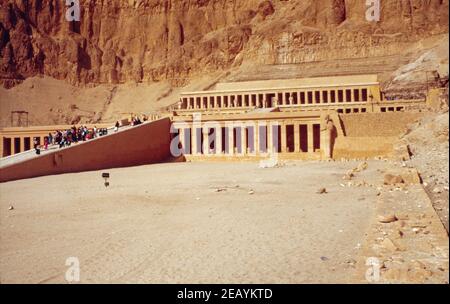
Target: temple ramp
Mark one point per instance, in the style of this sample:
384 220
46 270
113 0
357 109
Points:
144 144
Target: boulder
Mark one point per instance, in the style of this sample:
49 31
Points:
387 218
391 179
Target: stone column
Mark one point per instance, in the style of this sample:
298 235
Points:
256 137
310 138
194 140
243 140
22 143
297 137
324 137
269 137
283 138
12 146
181 139
230 140
205 132
218 134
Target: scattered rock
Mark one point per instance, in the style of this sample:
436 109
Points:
351 262
11 208
437 190
399 234
348 176
416 230
411 177
322 191
387 218
324 258
270 163
362 166
419 275
394 275
402 216
251 192
419 225
389 245
390 179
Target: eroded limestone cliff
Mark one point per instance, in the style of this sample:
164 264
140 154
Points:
120 41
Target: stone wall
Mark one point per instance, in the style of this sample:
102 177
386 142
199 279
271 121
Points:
371 134
145 144
377 124
364 147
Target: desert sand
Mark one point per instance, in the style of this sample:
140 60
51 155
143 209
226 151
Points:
186 223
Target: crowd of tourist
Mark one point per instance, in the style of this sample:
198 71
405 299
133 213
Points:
65 138
136 120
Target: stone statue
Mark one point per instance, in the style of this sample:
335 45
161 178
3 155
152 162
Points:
329 133
274 102
291 99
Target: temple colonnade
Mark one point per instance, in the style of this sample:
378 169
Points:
248 138
269 99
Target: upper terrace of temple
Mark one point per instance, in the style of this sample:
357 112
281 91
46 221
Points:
315 82
287 92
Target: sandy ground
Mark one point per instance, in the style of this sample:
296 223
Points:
168 223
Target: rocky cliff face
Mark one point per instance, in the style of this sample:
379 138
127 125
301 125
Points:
143 41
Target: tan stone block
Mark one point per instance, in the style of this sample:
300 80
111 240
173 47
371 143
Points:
411 177
390 179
